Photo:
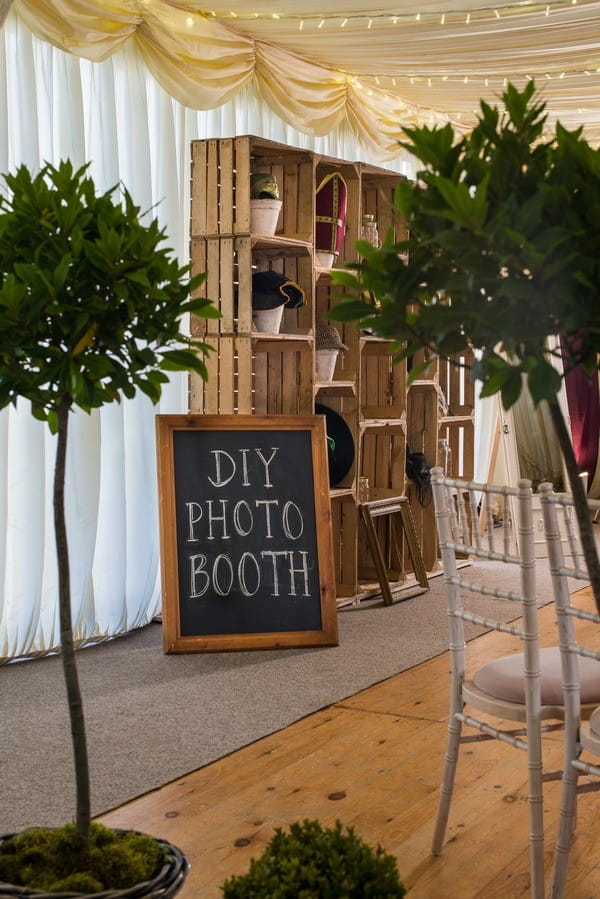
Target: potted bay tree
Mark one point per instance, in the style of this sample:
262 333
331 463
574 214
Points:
91 307
502 254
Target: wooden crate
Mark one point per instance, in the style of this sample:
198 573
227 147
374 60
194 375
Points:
460 434
457 390
252 375
382 384
220 188
344 519
229 263
377 199
326 296
382 462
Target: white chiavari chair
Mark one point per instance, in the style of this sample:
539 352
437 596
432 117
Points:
522 687
580 666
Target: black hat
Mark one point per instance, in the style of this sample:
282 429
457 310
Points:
340 445
270 289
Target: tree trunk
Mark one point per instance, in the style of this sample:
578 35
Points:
582 512
82 775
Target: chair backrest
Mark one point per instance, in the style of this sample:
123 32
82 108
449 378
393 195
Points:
456 508
558 511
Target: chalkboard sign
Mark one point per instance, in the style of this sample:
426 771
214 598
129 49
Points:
245 528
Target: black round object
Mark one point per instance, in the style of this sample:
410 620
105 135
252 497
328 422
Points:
340 445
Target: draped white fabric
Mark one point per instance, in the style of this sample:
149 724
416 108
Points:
113 115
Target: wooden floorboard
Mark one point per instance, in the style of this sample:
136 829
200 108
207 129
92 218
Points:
374 761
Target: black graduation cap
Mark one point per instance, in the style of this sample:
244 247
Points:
340 445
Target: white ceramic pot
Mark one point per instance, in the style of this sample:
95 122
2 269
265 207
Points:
325 364
264 215
325 260
268 320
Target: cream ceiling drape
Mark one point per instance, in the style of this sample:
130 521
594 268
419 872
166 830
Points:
328 63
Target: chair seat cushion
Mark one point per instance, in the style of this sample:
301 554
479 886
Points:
503 678
595 723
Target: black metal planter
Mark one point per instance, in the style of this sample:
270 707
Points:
167 882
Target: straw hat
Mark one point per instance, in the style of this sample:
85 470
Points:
328 338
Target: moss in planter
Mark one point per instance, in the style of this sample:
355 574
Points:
59 859
316 862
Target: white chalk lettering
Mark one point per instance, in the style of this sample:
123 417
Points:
244 453
273 555
294 571
197 564
285 518
266 463
194 516
237 521
267 503
220 480
242 574
222 591
215 518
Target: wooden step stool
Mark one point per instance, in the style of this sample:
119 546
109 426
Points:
397 510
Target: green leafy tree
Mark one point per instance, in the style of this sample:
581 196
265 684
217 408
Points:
90 310
503 252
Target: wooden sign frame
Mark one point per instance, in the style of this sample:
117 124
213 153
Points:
322 607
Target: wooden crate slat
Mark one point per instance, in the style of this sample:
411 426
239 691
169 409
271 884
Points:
226 376
245 380
199 170
198 325
212 188
242 185
244 287
227 278
213 281
274 382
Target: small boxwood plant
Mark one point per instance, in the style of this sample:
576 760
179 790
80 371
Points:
315 862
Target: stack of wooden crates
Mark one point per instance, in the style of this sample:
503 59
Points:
257 373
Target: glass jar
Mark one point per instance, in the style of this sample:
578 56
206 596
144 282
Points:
445 457
369 230
363 490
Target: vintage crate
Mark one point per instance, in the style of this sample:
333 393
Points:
344 518
377 199
459 433
457 389
255 375
382 383
220 187
229 263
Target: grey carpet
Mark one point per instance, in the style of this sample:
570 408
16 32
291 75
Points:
151 717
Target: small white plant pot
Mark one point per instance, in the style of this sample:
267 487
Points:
325 260
264 215
268 320
325 364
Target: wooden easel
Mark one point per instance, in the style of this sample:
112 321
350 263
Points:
397 510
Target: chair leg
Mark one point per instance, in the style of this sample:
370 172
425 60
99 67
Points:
536 813
566 827
447 787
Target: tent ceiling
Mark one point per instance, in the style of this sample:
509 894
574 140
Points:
321 62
